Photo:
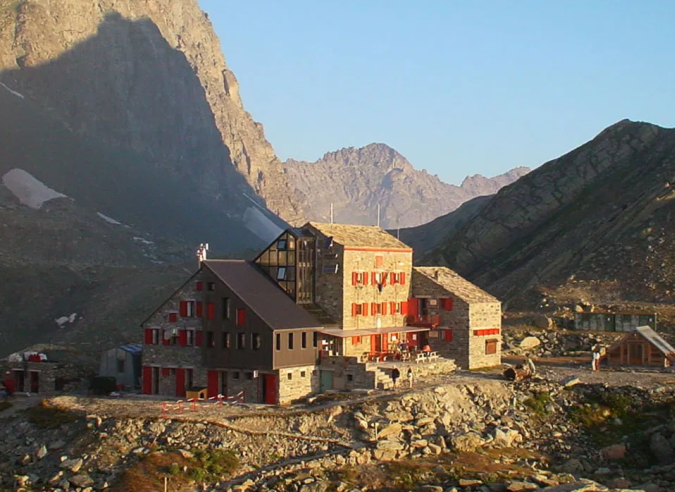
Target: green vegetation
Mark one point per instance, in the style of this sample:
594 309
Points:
538 403
46 416
4 405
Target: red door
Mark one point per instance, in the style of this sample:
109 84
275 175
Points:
212 379
270 389
413 307
373 344
147 380
385 343
412 340
180 382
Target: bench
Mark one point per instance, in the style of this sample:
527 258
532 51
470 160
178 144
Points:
426 357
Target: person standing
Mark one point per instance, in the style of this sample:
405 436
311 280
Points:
410 376
395 375
595 359
530 365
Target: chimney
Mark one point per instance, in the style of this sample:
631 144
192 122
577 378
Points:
201 253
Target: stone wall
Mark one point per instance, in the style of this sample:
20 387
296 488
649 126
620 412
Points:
238 381
365 262
485 316
296 383
46 376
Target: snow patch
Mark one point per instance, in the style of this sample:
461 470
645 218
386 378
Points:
141 240
13 92
109 220
66 319
256 222
30 191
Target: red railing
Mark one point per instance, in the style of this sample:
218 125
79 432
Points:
424 320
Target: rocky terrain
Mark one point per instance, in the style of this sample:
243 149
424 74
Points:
459 433
360 179
591 228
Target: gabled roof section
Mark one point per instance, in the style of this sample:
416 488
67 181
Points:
656 340
159 308
358 236
454 283
261 295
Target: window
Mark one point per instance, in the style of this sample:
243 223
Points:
278 341
379 261
281 273
211 286
241 317
225 340
241 340
226 308
378 308
120 365
303 374
190 309
155 337
350 377
356 340
490 346
235 375
447 303
249 375
255 341
358 309
359 278
290 376
304 339
316 338
210 339
378 277
173 317
282 245
190 338
290 341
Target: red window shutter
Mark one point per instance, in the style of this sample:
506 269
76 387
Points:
447 304
384 278
404 307
212 383
183 309
210 310
166 371
373 278
392 307
402 278
355 340
165 341
354 278
365 278
199 309
384 308
373 308
392 278
448 335
354 308
147 380
182 338
241 317
173 317
364 309
198 338
200 285
148 336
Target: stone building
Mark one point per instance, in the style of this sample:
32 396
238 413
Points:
321 308
466 320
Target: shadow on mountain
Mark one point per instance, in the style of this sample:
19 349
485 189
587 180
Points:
121 124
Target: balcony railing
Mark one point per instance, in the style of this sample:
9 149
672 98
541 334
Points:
424 320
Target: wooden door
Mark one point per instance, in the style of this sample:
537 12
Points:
413 307
212 383
180 382
373 344
34 382
326 381
412 340
385 343
635 354
147 380
269 382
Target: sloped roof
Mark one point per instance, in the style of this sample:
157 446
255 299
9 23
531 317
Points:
359 236
132 348
261 295
656 340
454 283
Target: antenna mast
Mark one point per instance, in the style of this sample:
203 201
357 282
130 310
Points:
378 215
331 212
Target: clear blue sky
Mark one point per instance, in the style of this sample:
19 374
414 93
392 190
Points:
458 87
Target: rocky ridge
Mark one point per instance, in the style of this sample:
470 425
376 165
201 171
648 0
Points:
360 179
592 225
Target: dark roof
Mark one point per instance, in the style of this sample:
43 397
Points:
454 283
132 348
261 295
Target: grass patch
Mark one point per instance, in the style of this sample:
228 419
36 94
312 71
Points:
207 465
46 416
538 403
5 405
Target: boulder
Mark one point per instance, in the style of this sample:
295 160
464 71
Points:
42 452
504 438
521 487
661 449
529 343
614 452
73 465
81 481
390 430
466 442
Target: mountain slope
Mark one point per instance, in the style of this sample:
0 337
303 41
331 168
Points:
146 76
360 179
594 225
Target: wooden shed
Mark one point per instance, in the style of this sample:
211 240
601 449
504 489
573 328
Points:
643 347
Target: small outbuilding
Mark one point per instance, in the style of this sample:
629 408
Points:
642 347
124 364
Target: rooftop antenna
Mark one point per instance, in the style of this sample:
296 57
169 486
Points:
201 253
331 212
398 229
378 215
